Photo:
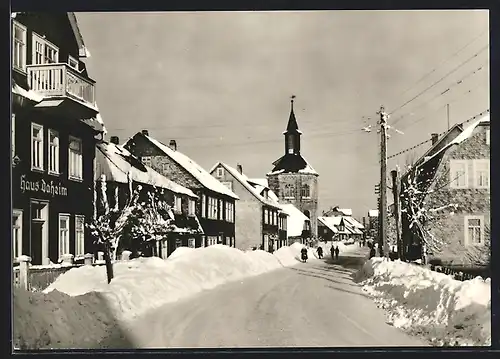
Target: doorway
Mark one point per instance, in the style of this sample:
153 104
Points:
39 232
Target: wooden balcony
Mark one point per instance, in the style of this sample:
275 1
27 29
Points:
60 81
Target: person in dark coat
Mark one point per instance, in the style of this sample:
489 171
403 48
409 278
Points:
372 252
303 253
337 252
332 252
320 252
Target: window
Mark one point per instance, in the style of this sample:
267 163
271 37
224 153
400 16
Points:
305 191
63 234
17 233
290 144
13 135
53 152
458 174
265 216
43 51
19 46
212 208
146 160
75 158
220 171
211 240
488 137
481 173
203 206
474 230
72 62
79 235
229 212
177 204
228 184
191 243
191 207
36 146
289 191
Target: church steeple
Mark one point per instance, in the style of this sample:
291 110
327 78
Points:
292 133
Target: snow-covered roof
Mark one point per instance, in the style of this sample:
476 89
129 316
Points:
373 213
460 138
353 222
116 162
29 94
259 181
296 220
330 222
273 196
345 211
205 178
308 169
243 179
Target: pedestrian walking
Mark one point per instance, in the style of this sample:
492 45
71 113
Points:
332 252
337 252
372 252
320 252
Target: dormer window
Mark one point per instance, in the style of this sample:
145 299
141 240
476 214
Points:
73 63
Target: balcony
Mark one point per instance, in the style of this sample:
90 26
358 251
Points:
62 82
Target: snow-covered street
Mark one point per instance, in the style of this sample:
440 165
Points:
309 305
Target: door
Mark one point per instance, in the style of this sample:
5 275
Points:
266 242
39 233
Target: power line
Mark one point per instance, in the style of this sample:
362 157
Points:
442 133
441 79
439 108
456 83
445 61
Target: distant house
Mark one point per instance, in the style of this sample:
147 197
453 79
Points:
260 217
215 210
340 228
298 225
119 168
55 122
452 181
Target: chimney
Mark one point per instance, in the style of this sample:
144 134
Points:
239 168
173 145
145 132
115 140
434 137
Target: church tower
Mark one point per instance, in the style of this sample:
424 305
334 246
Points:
293 179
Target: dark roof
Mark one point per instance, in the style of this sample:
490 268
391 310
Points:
292 122
290 163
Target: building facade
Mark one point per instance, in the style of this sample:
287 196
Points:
454 177
53 138
261 223
123 173
216 207
293 179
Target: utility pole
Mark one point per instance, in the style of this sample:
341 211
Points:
383 180
395 192
448 114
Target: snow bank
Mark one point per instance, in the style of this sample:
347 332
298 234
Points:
289 256
446 311
142 284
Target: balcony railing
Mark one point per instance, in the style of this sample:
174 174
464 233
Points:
60 80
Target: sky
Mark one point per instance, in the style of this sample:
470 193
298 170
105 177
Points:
219 83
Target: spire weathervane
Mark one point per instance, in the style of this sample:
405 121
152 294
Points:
292 99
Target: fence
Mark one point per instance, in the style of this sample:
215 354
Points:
463 273
37 278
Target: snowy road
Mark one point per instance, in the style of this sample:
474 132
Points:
315 304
